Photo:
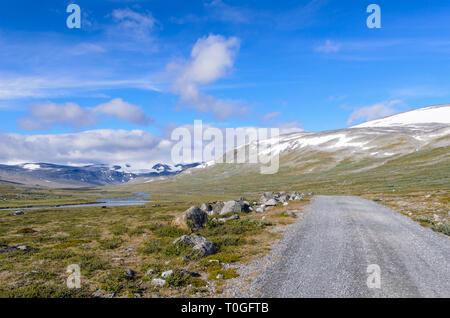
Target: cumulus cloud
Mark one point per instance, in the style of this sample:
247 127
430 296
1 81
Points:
211 58
136 147
46 115
124 111
376 111
329 47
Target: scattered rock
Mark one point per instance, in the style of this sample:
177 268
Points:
14 248
158 282
291 213
231 207
259 210
17 213
245 207
129 273
200 244
271 202
206 207
117 260
150 272
217 208
285 204
187 272
193 219
224 220
100 293
219 276
167 274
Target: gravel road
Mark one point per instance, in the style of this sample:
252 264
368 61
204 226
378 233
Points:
327 252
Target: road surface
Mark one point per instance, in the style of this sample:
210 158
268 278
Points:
330 249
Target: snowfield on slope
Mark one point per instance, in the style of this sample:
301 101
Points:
433 114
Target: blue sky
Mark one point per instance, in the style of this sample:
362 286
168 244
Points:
153 65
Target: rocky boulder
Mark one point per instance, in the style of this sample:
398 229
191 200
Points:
199 243
233 217
271 202
206 207
231 207
217 208
193 218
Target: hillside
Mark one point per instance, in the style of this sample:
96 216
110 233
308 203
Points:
412 156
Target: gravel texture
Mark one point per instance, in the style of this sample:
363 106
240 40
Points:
326 253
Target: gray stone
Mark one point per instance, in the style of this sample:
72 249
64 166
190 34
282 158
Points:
17 213
245 207
167 274
193 219
259 210
271 202
150 272
158 282
200 244
217 208
100 293
206 207
129 273
224 220
14 248
231 207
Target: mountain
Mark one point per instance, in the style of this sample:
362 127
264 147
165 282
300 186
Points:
429 115
406 150
52 175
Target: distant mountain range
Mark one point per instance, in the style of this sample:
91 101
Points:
52 175
365 147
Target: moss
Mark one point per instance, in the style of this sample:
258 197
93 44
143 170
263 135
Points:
169 231
43 291
118 229
178 279
26 230
110 244
226 273
443 228
89 263
67 244
150 247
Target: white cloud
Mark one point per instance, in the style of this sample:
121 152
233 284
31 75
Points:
85 48
269 116
329 47
136 147
47 114
376 111
139 25
123 111
211 58
16 87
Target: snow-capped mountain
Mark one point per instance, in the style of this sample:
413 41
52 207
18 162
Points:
429 115
379 139
45 174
